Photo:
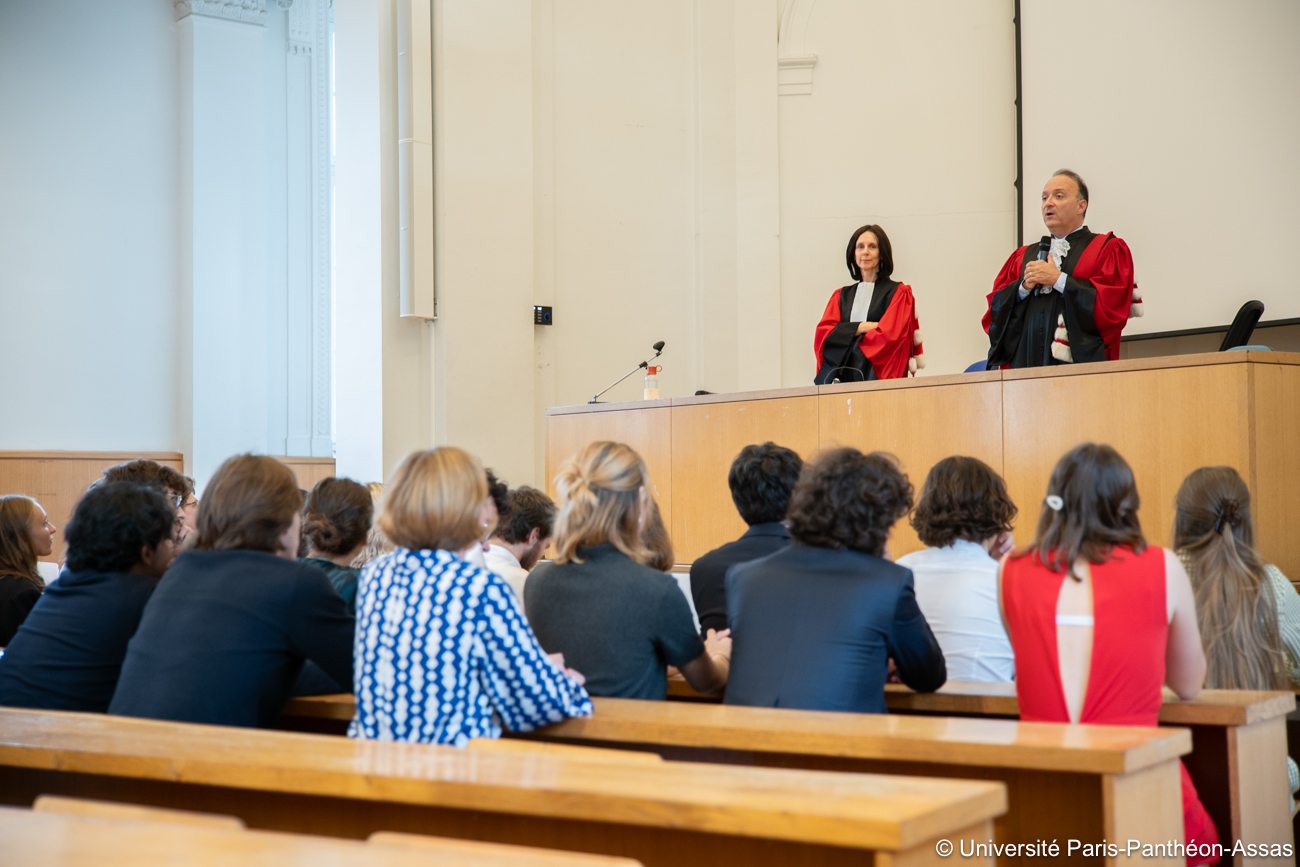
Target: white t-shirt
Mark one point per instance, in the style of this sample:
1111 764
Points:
505 565
957 591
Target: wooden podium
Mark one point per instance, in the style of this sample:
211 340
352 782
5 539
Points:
1167 416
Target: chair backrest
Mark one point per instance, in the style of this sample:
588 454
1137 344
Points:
1243 325
982 364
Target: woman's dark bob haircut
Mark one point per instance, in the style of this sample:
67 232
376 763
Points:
849 500
886 267
1098 510
963 498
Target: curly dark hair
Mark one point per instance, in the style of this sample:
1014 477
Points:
499 491
527 508
849 500
143 471
112 522
337 516
762 479
962 498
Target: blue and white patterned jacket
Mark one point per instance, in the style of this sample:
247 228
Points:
443 654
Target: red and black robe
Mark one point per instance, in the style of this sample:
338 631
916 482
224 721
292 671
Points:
1094 305
881 353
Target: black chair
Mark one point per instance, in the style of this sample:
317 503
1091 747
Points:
1243 325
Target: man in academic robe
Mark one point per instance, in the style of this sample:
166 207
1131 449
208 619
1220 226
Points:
1066 299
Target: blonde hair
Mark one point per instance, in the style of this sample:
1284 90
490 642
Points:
434 500
1235 607
17 552
377 543
600 501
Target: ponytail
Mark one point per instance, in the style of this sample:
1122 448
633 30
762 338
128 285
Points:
1235 605
600 502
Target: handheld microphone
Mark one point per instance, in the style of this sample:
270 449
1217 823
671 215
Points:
658 347
1044 247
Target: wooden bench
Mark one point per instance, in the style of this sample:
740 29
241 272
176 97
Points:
54 839
1082 782
1239 741
662 813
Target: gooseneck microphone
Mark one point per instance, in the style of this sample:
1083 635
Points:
658 347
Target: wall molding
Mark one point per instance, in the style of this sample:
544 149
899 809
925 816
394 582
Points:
243 11
794 61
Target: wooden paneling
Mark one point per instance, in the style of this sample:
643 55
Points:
705 440
133 813
1276 484
920 425
309 471
58 479
647 430
1166 422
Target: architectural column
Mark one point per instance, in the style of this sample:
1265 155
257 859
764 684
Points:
222 231
307 127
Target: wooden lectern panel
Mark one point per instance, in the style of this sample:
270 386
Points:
920 425
648 430
1276 486
1166 422
706 439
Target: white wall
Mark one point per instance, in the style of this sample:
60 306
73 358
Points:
88 263
910 125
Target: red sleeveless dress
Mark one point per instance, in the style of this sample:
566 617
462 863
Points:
1130 631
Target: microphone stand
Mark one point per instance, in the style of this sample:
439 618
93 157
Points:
643 364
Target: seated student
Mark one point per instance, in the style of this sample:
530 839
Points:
443 652
68 653
26 535
817 623
176 487
761 480
522 536
335 524
617 620
964 515
376 543
1097 618
226 632
1247 611
657 541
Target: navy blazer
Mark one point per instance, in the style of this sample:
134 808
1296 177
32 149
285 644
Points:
814 628
224 637
67 654
709 572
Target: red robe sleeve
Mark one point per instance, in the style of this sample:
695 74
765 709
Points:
889 345
829 320
1010 273
1112 278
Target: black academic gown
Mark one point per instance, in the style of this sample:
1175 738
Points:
1021 331
841 349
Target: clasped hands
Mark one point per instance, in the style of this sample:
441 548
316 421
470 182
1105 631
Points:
864 327
1041 272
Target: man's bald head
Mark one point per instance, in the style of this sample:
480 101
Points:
1065 202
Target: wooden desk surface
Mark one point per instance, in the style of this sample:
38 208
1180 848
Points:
1219 707
1000 743
56 840
853 810
1162 362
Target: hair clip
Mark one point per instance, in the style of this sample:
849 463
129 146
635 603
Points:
1054 502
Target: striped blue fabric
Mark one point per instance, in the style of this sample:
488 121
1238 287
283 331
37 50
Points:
443 654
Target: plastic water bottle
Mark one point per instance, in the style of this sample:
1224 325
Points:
652 382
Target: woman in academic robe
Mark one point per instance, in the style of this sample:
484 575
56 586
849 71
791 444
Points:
869 330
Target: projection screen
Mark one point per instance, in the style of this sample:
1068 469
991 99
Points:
1183 116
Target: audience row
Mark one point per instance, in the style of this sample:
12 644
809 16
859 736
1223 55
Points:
426 599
